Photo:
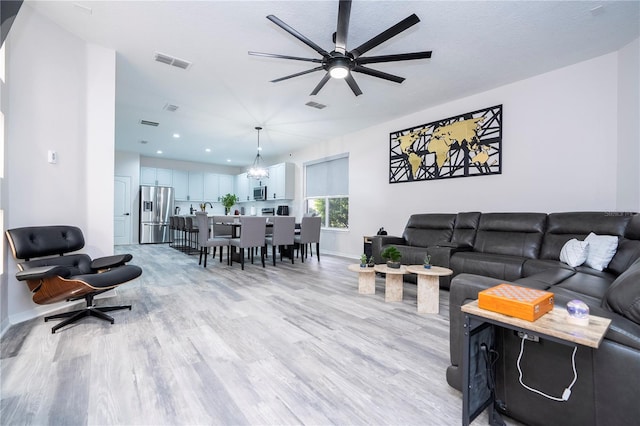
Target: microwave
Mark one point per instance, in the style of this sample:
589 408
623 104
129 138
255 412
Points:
260 193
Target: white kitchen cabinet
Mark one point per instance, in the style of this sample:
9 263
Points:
155 176
242 188
181 185
211 187
281 184
225 185
196 186
164 177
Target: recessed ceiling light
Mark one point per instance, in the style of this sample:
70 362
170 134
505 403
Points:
158 152
228 160
208 150
259 148
176 135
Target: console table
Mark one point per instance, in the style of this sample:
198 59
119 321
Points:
478 328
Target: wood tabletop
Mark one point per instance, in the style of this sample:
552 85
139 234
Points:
553 323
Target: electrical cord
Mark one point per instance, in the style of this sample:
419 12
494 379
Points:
567 391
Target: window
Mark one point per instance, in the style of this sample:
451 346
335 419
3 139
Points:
327 191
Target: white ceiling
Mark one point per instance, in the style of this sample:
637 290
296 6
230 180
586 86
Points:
477 45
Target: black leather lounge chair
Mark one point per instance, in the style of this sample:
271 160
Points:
53 276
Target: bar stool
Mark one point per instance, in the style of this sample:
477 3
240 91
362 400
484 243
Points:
191 230
180 228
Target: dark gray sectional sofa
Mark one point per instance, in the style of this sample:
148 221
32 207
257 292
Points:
486 249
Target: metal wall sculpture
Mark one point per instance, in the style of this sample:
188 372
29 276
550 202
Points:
465 145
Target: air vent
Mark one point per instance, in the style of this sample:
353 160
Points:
149 123
143 142
171 60
171 108
315 105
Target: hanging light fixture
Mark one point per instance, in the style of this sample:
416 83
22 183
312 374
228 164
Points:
257 171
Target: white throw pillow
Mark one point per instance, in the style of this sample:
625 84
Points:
574 252
602 248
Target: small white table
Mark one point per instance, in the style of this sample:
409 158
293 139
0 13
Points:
393 282
429 287
366 278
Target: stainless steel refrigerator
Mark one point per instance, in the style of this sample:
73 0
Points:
156 207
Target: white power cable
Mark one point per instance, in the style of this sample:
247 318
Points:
567 392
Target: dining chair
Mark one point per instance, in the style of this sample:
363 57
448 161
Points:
252 234
283 234
309 234
204 241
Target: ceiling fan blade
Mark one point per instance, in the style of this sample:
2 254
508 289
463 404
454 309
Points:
379 74
393 58
352 83
298 74
320 85
295 58
297 35
386 35
344 12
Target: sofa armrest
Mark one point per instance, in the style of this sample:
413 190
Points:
42 272
464 288
110 261
379 241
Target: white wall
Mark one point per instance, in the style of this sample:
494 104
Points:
628 193
61 96
560 153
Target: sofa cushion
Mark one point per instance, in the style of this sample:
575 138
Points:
499 266
412 255
513 234
546 279
628 247
534 266
593 285
623 296
424 230
602 248
574 252
561 227
464 230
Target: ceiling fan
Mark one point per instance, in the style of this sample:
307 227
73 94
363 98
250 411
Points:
341 63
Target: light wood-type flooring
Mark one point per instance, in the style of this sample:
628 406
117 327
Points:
285 345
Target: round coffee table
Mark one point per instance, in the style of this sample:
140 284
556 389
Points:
393 282
366 278
428 287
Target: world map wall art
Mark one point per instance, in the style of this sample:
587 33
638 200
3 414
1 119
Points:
465 145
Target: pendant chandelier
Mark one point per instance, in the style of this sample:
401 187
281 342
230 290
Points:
257 171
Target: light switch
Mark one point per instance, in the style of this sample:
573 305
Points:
52 156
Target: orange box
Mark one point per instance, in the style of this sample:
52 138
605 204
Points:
520 302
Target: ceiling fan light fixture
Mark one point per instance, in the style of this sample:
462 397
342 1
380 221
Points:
338 71
257 171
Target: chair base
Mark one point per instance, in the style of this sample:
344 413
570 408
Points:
90 310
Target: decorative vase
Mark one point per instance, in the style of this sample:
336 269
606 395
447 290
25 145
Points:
371 264
393 265
427 266
363 265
